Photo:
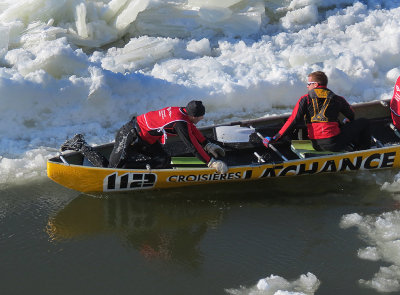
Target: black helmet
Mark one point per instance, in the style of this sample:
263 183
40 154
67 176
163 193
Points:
195 108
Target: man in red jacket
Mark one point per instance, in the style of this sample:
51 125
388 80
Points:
320 109
141 139
395 104
147 133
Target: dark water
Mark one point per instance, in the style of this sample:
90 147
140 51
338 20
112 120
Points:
197 240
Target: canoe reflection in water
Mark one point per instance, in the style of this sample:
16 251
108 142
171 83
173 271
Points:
168 230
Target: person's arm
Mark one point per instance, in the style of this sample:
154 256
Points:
193 139
296 116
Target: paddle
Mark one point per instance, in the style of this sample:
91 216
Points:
377 142
272 147
239 134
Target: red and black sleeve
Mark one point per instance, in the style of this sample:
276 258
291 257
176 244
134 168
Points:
193 139
295 118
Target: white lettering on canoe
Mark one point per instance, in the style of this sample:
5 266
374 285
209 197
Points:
374 161
204 177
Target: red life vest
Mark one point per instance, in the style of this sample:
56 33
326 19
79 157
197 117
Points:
155 122
395 104
157 125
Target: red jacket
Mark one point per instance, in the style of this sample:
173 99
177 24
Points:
319 109
158 125
395 104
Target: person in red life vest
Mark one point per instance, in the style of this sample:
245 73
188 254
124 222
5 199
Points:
395 105
320 109
146 134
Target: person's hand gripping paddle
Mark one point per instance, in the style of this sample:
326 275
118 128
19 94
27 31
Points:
267 143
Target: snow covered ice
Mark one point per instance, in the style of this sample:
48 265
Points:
382 233
87 66
276 285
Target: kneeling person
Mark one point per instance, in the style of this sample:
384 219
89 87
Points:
145 135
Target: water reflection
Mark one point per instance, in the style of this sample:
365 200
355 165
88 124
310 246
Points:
169 225
158 230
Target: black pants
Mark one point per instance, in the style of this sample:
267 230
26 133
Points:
130 151
356 133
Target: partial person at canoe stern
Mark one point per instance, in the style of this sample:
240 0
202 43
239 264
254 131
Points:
320 109
395 105
146 134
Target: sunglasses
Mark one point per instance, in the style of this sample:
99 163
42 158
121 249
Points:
309 83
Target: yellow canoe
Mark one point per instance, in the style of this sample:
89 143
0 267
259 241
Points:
246 160
92 179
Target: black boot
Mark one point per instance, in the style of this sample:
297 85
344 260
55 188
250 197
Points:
78 143
75 143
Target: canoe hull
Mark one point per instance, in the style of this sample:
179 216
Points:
91 179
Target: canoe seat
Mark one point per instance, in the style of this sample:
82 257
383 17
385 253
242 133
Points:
188 162
304 149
